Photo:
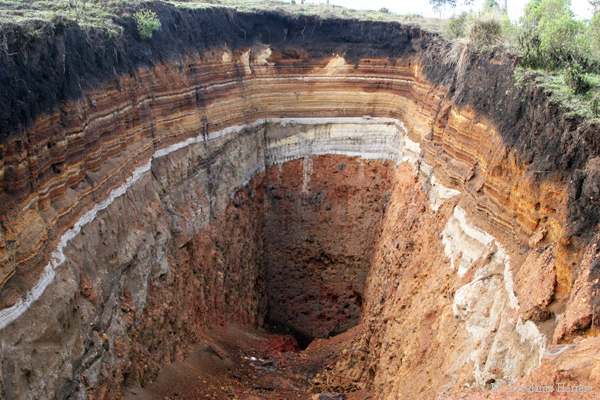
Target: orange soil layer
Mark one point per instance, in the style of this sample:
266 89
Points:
78 153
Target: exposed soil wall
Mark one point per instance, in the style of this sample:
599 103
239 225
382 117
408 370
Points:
324 218
188 184
43 65
143 281
187 247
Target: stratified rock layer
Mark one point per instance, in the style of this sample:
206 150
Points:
189 192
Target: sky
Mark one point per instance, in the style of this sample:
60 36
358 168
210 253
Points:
422 7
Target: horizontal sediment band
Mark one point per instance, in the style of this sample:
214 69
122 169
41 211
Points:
366 137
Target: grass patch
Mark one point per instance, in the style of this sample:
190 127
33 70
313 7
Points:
101 13
324 11
554 83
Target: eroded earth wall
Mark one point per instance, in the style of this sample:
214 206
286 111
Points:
133 213
323 220
185 243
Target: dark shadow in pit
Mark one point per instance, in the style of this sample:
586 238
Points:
277 325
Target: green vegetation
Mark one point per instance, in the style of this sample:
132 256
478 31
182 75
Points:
485 28
147 22
576 79
551 38
101 14
583 104
564 52
88 13
457 26
595 104
561 52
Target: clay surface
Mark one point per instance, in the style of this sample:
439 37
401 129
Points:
324 219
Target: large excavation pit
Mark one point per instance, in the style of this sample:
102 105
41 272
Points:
266 206
305 231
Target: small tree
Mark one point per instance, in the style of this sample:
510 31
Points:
147 22
439 5
594 27
549 34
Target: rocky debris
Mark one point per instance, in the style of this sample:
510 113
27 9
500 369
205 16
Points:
537 237
329 396
535 283
583 306
87 289
203 374
283 343
266 365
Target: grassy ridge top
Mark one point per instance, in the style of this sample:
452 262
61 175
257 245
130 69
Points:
101 14
572 78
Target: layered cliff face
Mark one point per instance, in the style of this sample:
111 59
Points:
316 179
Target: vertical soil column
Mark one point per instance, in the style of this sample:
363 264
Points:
323 218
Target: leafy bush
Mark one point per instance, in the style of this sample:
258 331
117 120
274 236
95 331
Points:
147 22
576 79
384 10
457 25
550 37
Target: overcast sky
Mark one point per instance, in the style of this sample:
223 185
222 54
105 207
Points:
422 7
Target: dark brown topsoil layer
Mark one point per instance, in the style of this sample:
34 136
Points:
38 71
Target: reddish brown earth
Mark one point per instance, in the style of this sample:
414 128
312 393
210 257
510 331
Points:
324 219
408 317
206 238
245 364
218 278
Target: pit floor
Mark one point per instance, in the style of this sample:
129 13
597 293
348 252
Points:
245 364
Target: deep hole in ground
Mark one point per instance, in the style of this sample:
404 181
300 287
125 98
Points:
319 222
488 250
280 327
323 218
